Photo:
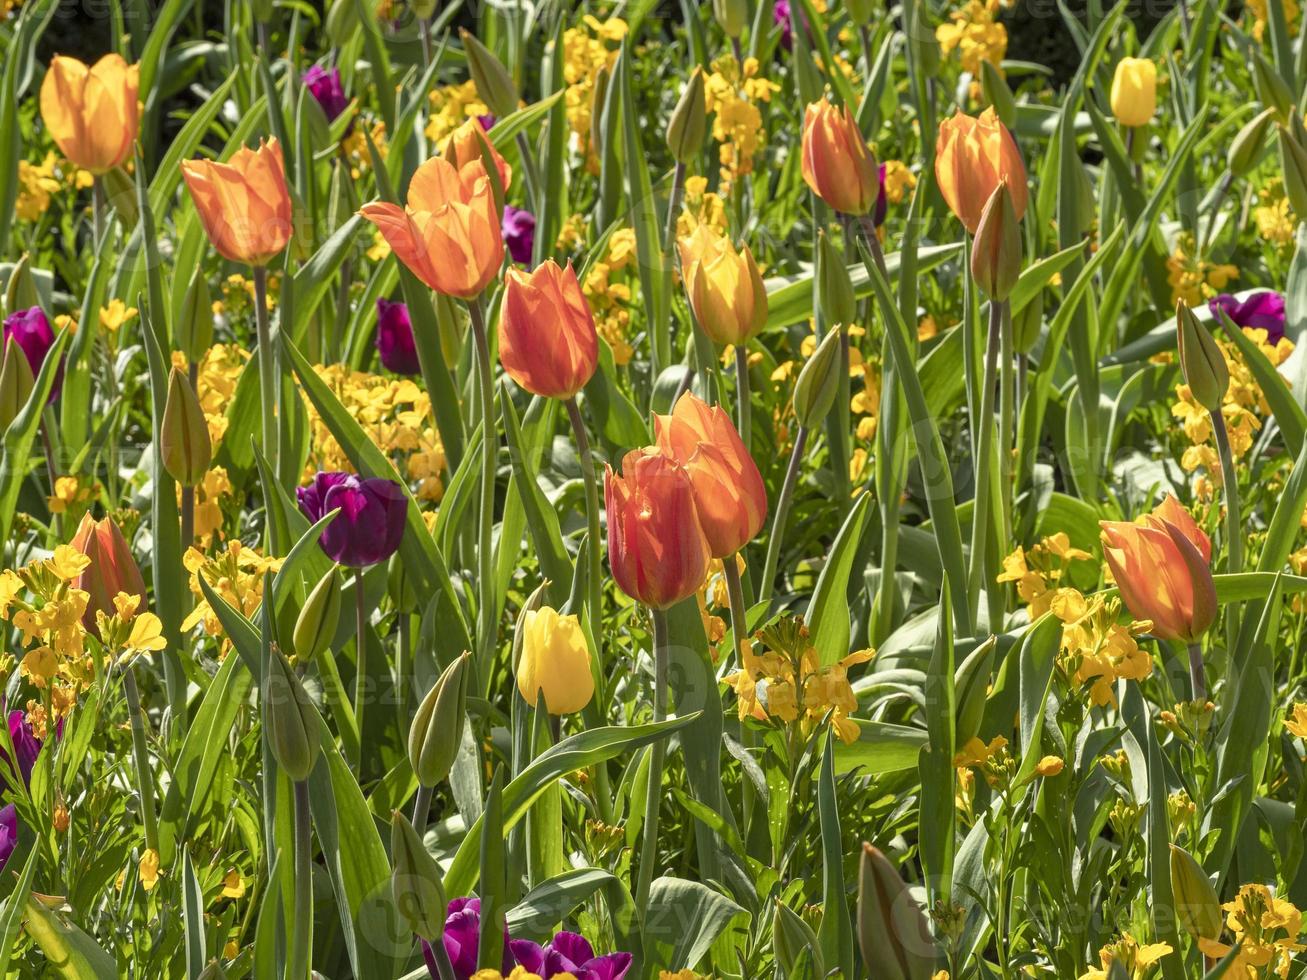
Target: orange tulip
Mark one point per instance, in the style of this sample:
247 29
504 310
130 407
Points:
466 145
656 546
547 340
448 234
971 156
728 489
92 112
112 569
836 163
724 286
1161 569
243 204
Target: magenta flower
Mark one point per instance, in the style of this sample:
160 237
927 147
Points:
395 343
8 833
568 953
462 938
325 86
519 229
1261 311
370 525
487 121
31 331
26 748
882 202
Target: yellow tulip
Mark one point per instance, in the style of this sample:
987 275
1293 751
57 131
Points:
1134 91
724 286
91 111
555 660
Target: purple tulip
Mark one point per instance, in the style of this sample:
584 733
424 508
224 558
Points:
882 201
395 343
519 229
571 954
324 85
8 833
487 121
1261 311
462 938
371 521
26 748
31 331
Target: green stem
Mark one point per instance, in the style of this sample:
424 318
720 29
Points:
489 450
360 661
1197 676
782 512
302 936
97 211
653 797
141 756
1007 403
421 805
530 172
671 256
742 407
739 611
591 513
984 450
267 362
1230 479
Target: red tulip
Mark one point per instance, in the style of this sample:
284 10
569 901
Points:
547 340
112 569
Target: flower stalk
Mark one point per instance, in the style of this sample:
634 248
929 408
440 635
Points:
658 755
591 512
489 450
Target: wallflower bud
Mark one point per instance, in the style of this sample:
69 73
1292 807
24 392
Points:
819 382
1293 166
293 724
16 383
837 165
996 92
1272 90
437 729
416 881
689 122
1201 360
1246 147
892 930
493 82
184 434
996 252
555 661
732 16
194 328
1134 91
316 624
1196 904
112 568
835 293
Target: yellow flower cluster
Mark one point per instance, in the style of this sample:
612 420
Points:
607 288
215 384
70 496
1296 723
1138 960
37 182
1258 9
1266 929
1038 571
701 207
1196 280
451 106
732 92
1274 218
355 147
235 574
975 33
587 48
899 180
787 683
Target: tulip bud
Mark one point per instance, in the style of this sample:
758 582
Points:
437 729
1134 91
732 16
860 11
599 99
184 434
293 725
971 689
16 383
1293 164
112 568
835 293
20 290
316 624
1272 91
1026 324
493 82
416 881
342 22
996 92
819 382
689 122
996 252
1201 360
1246 147
795 944
195 326
262 10
892 931
424 9
1196 904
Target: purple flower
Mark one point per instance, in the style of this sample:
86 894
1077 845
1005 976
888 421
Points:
569 953
395 343
519 229
8 833
26 748
487 121
31 331
371 521
882 202
463 937
324 85
1262 311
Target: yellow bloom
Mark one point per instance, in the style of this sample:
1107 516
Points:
148 869
113 316
233 885
1297 725
1138 960
976 34
1048 766
68 494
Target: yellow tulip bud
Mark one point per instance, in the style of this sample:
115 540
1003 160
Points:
1134 91
555 660
724 286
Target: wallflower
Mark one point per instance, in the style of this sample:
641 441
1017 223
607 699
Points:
235 574
607 288
1296 724
113 316
1138 960
36 183
1258 10
700 206
126 633
732 92
451 106
1266 929
1273 216
1038 571
897 181
69 495
587 48
1096 648
1195 280
975 34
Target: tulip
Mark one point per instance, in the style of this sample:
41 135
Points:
8 833
547 339
493 82
837 165
315 626
27 747
325 87
728 489
819 382
193 331
461 937
416 881
519 230
996 252
294 731
92 111
656 545
568 954
395 343
370 525
184 444
835 296
449 233
1260 311
469 145
689 122
437 728
1201 360
555 662
724 286
892 930
1134 91
1196 904
112 568
1161 569
972 154
31 331
243 204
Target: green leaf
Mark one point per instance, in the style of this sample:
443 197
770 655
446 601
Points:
692 914
881 748
828 613
11 918
836 931
68 951
1289 415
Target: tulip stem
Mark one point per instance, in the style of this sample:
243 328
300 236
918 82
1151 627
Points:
591 512
489 448
1233 520
670 257
1197 678
782 512
980 516
437 959
421 805
141 756
360 660
530 172
742 406
1218 199
97 211
739 611
424 32
267 360
653 796
302 936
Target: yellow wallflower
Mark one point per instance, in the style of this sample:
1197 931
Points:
975 33
148 868
113 316
608 290
69 495
899 180
732 92
1137 959
233 885
1266 928
235 574
36 182
1296 723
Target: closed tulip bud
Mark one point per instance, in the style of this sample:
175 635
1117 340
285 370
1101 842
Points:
728 490
243 204
971 689
1293 166
262 10
836 163
449 232
1272 90
20 291
860 11
16 383
1161 568
424 9
656 546
724 287
892 930
416 881
315 627
732 16
92 112
996 252
555 662
972 155
437 728
1246 147
839 304
184 435
493 82
112 568
1196 904
547 338
599 99
819 382
1027 322
689 123
1134 91
195 326
1201 360
342 22
292 721
997 94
